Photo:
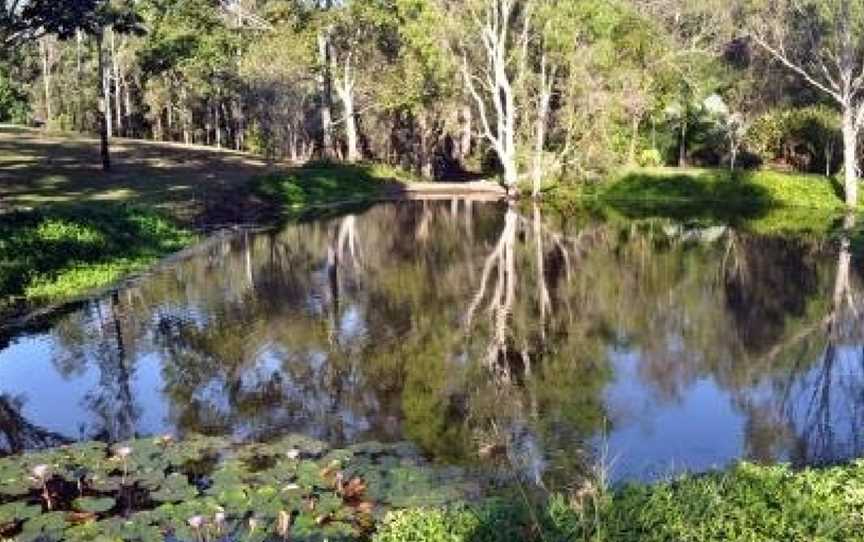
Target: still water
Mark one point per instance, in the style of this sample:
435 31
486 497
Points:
479 332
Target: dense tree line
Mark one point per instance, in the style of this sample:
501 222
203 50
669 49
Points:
534 89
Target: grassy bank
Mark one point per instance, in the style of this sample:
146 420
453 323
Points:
747 503
55 253
320 183
739 189
66 227
758 201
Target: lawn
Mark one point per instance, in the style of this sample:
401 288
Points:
57 252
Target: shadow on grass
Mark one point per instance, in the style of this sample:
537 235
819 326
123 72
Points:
708 195
764 202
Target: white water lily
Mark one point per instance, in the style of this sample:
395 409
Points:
291 487
40 471
124 452
293 453
196 522
219 518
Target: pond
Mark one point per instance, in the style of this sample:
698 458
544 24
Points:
480 333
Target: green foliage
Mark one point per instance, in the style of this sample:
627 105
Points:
650 158
745 503
321 182
58 252
807 139
13 101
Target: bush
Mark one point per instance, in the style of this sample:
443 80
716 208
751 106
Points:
650 158
805 139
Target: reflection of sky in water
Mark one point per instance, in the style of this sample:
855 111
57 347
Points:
254 348
651 438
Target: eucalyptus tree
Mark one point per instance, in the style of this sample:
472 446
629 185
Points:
90 17
822 41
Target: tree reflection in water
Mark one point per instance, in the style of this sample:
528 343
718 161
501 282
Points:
479 331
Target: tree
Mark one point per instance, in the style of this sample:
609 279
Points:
92 17
822 41
488 49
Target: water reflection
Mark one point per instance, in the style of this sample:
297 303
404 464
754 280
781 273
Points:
481 332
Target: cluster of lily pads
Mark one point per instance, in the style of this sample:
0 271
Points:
210 489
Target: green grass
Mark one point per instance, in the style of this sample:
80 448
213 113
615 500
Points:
760 201
320 183
740 189
746 503
56 253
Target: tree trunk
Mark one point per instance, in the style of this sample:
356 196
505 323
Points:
345 90
217 112
325 96
682 149
466 136
46 79
634 136
105 111
116 67
850 156
540 142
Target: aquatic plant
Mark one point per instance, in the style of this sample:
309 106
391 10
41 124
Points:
207 489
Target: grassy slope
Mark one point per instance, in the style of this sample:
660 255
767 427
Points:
321 183
763 201
54 253
747 503
66 227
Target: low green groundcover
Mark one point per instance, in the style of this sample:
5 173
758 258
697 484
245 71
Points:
54 253
747 503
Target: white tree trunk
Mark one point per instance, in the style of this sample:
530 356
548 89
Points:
850 156
116 68
491 83
46 78
324 91
345 90
106 93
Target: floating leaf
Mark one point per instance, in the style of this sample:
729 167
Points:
176 488
18 511
95 505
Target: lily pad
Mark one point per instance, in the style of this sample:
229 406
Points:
96 505
18 511
176 488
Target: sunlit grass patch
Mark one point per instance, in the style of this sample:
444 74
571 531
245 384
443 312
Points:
60 252
322 182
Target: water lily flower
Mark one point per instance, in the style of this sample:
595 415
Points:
293 453
292 487
40 471
219 518
124 452
196 522
253 524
